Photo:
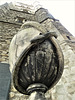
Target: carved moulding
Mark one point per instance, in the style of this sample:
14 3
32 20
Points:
37 58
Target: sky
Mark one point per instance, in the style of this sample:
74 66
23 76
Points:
64 10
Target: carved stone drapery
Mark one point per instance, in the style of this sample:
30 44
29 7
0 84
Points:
37 58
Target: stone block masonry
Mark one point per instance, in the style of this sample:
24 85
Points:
65 88
10 23
7 31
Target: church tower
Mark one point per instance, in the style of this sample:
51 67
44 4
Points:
12 16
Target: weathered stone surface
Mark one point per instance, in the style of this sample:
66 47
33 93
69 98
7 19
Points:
37 96
43 14
65 89
5 40
11 94
10 29
18 43
14 15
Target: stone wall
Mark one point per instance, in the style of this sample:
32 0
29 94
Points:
7 31
9 13
11 20
65 88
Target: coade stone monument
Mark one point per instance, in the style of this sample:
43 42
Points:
12 16
36 60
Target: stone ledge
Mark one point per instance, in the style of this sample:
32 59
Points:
10 22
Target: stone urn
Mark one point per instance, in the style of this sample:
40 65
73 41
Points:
36 60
